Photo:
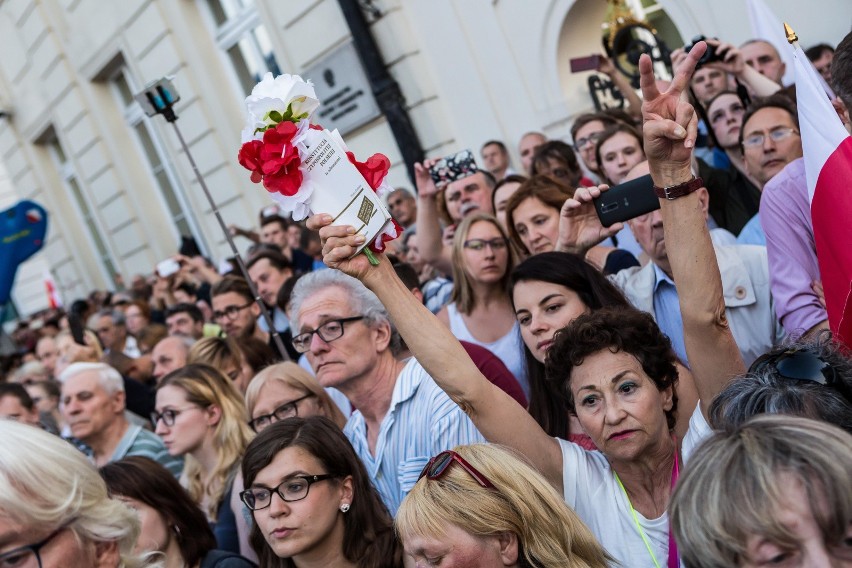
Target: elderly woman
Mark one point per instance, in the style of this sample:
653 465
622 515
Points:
784 499
54 508
483 502
616 367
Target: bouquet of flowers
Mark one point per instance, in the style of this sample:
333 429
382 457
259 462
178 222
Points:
307 169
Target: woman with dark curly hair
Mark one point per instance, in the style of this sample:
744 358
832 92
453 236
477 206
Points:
312 501
615 366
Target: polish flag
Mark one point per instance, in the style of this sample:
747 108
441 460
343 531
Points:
828 168
53 299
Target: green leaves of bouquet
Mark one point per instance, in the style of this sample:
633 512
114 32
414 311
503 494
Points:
274 118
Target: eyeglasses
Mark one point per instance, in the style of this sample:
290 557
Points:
167 416
585 140
291 489
230 312
29 556
480 244
776 135
439 465
328 332
286 410
802 365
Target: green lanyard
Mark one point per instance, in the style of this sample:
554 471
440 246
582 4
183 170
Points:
673 556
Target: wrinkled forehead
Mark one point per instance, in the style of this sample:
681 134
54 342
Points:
330 302
768 118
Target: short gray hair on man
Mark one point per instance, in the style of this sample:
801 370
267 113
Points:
109 378
765 392
117 317
362 301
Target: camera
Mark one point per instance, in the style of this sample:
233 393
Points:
709 56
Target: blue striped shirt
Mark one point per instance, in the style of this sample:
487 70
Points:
422 421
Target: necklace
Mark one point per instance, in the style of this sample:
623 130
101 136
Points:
674 561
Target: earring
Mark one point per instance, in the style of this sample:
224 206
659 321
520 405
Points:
177 530
344 508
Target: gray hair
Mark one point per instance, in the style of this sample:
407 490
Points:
362 301
46 483
117 316
765 392
109 378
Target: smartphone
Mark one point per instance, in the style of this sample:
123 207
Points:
167 267
626 201
588 63
452 168
77 329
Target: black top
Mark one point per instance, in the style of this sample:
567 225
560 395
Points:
734 200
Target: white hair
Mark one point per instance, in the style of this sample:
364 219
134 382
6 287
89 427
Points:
109 378
362 301
46 483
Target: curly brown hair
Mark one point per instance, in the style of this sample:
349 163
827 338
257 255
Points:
617 329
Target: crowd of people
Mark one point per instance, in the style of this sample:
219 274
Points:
513 384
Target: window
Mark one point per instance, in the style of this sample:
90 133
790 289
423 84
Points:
159 166
244 39
69 179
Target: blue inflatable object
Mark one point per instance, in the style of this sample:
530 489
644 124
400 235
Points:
22 231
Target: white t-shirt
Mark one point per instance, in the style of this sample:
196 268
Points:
590 488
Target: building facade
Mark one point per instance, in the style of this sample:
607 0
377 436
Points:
119 189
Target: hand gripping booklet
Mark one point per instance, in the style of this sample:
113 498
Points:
307 169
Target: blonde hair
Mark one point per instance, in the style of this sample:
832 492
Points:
46 483
734 489
549 533
294 376
218 352
462 286
207 386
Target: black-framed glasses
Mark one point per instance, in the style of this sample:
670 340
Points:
167 416
284 411
776 135
230 312
291 489
328 332
801 365
480 244
29 555
591 138
439 465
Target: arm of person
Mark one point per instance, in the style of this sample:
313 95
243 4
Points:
580 230
496 415
733 63
670 127
634 103
429 241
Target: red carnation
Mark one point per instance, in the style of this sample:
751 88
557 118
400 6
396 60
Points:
374 169
283 175
249 158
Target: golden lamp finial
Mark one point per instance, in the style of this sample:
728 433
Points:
791 35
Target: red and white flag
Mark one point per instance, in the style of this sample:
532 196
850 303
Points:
53 299
828 168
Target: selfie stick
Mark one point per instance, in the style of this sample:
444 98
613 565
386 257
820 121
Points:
159 97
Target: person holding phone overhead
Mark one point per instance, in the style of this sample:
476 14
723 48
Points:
615 366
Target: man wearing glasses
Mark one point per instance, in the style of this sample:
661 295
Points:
772 148
402 418
235 310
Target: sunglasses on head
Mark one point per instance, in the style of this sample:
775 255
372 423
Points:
802 365
439 465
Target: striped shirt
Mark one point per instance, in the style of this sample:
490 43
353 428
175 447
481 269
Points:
422 421
140 442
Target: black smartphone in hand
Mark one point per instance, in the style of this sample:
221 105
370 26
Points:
626 201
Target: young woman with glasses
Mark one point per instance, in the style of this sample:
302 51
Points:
481 505
312 501
55 511
284 391
481 311
200 415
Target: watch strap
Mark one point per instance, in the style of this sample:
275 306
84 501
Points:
675 191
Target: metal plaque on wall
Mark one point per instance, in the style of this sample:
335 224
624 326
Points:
343 89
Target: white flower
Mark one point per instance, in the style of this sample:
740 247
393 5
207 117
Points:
275 95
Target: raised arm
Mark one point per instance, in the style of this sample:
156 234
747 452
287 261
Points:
429 239
670 128
497 416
